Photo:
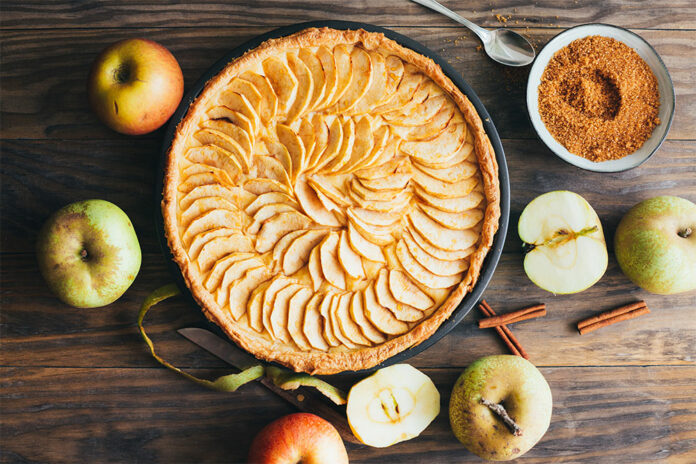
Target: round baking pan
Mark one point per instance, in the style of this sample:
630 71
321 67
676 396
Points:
494 253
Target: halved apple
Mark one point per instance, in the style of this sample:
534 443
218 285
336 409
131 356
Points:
394 404
563 241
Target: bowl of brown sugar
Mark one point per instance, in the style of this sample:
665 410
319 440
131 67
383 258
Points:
600 98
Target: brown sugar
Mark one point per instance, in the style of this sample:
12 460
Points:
599 99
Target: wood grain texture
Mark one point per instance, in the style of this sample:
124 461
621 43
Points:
44 332
43 14
43 76
618 415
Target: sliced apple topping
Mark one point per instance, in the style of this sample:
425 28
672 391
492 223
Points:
364 247
361 77
269 102
376 89
233 273
278 316
278 283
380 316
394 404
564 245
235 195
344 72
357 313
296 316
211 220
349 259
203 205
297 254
431 263
407 292
266 212
218 247
328 64
403 312
436 126
318 76
439 236
312 206
237 102
277 227
269 198
243 138
337 302
242 288
325 311
305 87
282 80
214 156
222 266
312 324
419 273
330 265
272 169
293 143
463 220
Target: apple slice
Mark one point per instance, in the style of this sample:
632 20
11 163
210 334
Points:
409 83
261 185
344 154
324 185
249 90
277 227
312 206
421 114
305 87
451 205
221 267
255 305
375 195
271 168
465 152
394 68
333 144
330 266
376 218
266 212
239 103
439 253
211 220
344 72
224 141
235 117
394 404
444 145
296 312
269 198
364 247
419 273
282 246
439 236
563 242
336 302
407 292
203 205
380 316
314 268
318 77
279 152
235 195
435 265
361 77
204 237
306 133
241 289
442 189
436 125
295 147
396 181
325 311
395 206
349 259
321 139
282 80
401 311
269 103
357 313
451 174
328 65
463 220
375 92
385 169
299 250
234 272
212 156
312 324
220 247
279 283
279 312
378 235
348 329
362 145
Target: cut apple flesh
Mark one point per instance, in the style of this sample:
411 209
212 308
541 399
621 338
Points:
562 234
394 404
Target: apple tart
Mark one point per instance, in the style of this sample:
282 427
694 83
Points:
329 198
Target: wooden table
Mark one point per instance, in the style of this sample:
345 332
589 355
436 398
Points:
79 385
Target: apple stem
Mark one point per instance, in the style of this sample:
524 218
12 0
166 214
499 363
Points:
685 233
83 253
499 409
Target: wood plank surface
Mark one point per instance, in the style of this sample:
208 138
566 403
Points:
44 14
601 415
79 385
43 76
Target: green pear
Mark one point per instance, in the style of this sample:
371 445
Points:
500 407
655 245
88 253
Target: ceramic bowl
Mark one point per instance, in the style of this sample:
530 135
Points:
647 53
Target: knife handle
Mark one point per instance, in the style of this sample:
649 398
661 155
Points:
314 403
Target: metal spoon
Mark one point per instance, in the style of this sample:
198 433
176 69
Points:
502 45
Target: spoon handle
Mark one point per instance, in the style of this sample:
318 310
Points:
435 6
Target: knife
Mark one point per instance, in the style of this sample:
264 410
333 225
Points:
309 400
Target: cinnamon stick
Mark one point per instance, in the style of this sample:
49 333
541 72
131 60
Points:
514 316
505 334
622 313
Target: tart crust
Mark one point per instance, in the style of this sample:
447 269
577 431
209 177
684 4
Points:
333 361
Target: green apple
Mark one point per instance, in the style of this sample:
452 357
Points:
88 253
500 407
655 245
564 245
135 85
394 404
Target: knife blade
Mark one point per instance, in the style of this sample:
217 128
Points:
308 400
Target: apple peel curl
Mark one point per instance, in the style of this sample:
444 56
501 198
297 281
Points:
282 378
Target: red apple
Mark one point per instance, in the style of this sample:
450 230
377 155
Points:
295 438
135 86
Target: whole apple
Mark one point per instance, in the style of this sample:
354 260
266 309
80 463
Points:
299 437
135 86
500 407
655 245
88 253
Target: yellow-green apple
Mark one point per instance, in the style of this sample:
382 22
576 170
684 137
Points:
500 407
135 85
298 438
564 245
88 253
655 245
394 404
